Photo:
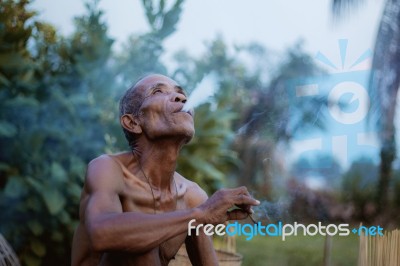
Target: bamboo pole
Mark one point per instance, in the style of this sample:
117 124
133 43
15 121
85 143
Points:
380 250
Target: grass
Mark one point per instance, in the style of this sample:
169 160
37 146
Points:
299 250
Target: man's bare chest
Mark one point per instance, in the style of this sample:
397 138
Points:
140 197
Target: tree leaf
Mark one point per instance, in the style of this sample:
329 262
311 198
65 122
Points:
74 190
7 129
14 187
38 248
31 260
36 228
208 169
58 172
4 166
54 201
35 184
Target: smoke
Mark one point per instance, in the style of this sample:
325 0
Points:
205 89
271 211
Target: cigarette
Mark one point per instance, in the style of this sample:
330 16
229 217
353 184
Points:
252 219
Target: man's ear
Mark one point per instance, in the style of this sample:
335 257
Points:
131 123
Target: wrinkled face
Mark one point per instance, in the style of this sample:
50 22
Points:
161 112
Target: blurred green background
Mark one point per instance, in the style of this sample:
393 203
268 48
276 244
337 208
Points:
298 251
59 109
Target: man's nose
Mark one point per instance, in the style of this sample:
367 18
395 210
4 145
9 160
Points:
178 97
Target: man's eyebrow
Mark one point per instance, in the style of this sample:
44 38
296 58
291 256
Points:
180 89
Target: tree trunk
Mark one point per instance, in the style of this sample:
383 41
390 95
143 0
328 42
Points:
388 154
384 85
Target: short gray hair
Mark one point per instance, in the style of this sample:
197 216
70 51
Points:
130 103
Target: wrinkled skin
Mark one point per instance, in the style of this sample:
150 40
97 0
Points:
125 222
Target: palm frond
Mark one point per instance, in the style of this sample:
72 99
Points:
343 7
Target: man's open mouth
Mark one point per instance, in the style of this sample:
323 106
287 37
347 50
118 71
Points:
180 110
187 112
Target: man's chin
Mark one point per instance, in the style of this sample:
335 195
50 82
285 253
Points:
189 136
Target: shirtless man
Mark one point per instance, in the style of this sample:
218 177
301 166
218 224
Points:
135 208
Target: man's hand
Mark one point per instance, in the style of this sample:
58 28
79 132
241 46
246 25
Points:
215 209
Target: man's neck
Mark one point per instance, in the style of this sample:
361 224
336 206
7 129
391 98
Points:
157 160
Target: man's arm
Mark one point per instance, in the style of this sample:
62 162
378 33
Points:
199 248
110 228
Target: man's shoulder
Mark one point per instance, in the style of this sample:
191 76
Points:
194 194
102 162
189 184
103 171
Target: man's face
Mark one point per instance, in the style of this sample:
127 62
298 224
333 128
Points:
160 113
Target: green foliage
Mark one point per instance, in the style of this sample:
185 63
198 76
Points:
50 127
162 22
17 66
59 110
359 185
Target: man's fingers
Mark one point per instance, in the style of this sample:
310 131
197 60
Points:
237 191
237 215
246 208
241 190
245 200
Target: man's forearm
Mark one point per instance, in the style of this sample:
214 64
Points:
137 232
201 250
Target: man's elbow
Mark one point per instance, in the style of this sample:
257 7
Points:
98 238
